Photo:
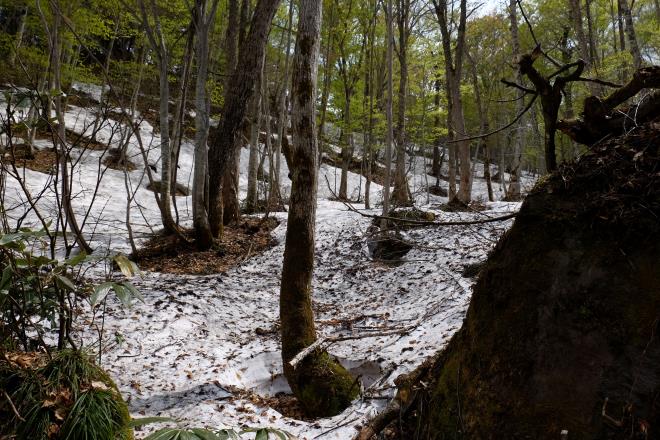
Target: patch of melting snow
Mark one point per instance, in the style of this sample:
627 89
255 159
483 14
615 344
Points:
195 337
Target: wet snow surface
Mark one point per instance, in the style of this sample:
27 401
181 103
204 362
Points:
196 337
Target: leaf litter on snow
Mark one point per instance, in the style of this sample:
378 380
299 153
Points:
205 349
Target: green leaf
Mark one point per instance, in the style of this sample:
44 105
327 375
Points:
123 294
134 292
127 267
10 238
149 420
100 292
6 277
65 283
187 435
226 434
76 260
205 434
262 434
42 261
164 434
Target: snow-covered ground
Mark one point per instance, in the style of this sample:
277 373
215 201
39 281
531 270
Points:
196 339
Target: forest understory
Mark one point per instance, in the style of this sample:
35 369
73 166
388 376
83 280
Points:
337 219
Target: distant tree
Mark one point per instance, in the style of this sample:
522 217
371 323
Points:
241 89
453 74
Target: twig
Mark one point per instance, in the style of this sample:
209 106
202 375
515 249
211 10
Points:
510 124
599 81
13 407
331 340
334 428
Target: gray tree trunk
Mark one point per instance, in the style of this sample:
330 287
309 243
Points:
630 33
236 23
253 163
19 36
204 20
401 193
453 69
517 136
54 35
239 93
157 40
388 114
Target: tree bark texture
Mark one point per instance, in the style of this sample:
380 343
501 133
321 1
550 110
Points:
323 386
239 93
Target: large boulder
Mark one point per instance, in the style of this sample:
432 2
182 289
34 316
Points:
562 332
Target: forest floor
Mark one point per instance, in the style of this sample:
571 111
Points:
204 349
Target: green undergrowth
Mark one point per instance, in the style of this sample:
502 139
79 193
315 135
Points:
67 397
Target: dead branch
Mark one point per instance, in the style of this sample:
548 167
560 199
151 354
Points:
380 422
485 135
324 343
18 416
601 118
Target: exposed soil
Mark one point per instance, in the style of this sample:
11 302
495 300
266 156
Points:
286 404
43 161
85 142
169 254
113 160
561 332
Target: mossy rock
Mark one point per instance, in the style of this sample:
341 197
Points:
398 217
322 385
68 396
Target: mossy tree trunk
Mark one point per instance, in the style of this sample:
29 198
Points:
323 386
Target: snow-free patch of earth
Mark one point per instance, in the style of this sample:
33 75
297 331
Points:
196 339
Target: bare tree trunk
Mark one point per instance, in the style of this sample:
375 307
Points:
239 93
253 162
401 193
436 166
591 36
282 115
19 36
230 206
630 32
388 114
622 36
323 387
575 8
484 126
327 77
369 90
157 41
179 114
203 23
55 45
514 185
346 151
453 69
